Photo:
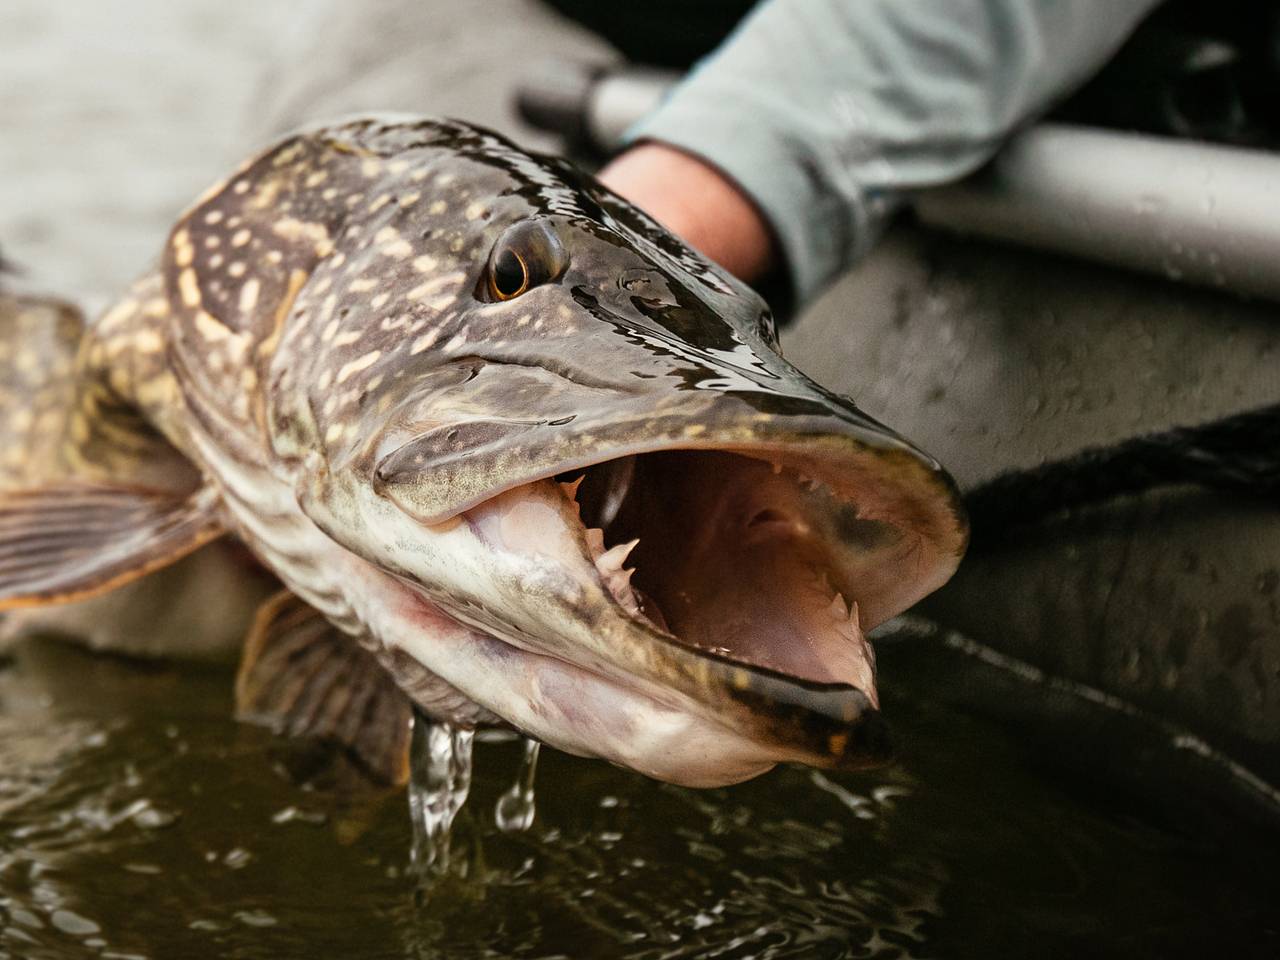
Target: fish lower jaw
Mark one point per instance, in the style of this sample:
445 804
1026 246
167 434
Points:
565 705
831 621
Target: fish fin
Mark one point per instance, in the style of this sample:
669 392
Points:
70 540
74 396
39 340
303 677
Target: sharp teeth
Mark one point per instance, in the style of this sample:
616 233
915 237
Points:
613 558
848 626
619 585
595 540
571 489
777 468
621 473
617 578
839 609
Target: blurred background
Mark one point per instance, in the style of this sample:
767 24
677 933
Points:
115 116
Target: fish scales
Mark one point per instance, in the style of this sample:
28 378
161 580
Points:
494 426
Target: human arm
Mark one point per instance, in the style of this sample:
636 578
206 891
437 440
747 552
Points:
792 144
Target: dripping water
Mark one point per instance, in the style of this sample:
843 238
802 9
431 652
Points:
439 781
515 809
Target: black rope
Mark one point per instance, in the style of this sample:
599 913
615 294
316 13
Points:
1237 454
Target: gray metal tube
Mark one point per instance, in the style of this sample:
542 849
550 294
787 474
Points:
1191 211
619 99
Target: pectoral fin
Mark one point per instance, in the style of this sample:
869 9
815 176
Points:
91 495
303 677
71 540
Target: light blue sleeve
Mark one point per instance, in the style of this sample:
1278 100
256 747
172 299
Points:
824 111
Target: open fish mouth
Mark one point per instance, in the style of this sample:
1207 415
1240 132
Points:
732 584
724 553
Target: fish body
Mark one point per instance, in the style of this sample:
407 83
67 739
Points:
509 445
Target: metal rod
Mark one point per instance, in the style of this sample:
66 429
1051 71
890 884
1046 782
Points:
1191 211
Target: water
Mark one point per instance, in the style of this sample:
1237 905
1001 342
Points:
516 808
439 784
137 820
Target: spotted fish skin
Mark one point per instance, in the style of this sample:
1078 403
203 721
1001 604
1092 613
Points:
318 348
288 300
302 299
39 340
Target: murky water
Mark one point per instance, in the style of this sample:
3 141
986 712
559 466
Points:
137 820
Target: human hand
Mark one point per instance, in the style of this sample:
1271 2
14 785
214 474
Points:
698 203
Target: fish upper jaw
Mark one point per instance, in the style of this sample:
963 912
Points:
877 477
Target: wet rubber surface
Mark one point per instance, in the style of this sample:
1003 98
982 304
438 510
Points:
137 820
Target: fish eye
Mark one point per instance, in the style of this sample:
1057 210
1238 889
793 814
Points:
509 275
526 255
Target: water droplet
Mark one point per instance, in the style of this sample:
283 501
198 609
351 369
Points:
439 781
888 794
515 809
857 804
26 918
152 819
13 933
73 923
290 814
256 918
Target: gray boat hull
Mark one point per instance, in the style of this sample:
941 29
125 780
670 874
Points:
996 359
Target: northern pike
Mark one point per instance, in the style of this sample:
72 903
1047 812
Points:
516 454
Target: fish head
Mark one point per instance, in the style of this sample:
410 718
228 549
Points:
553 423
